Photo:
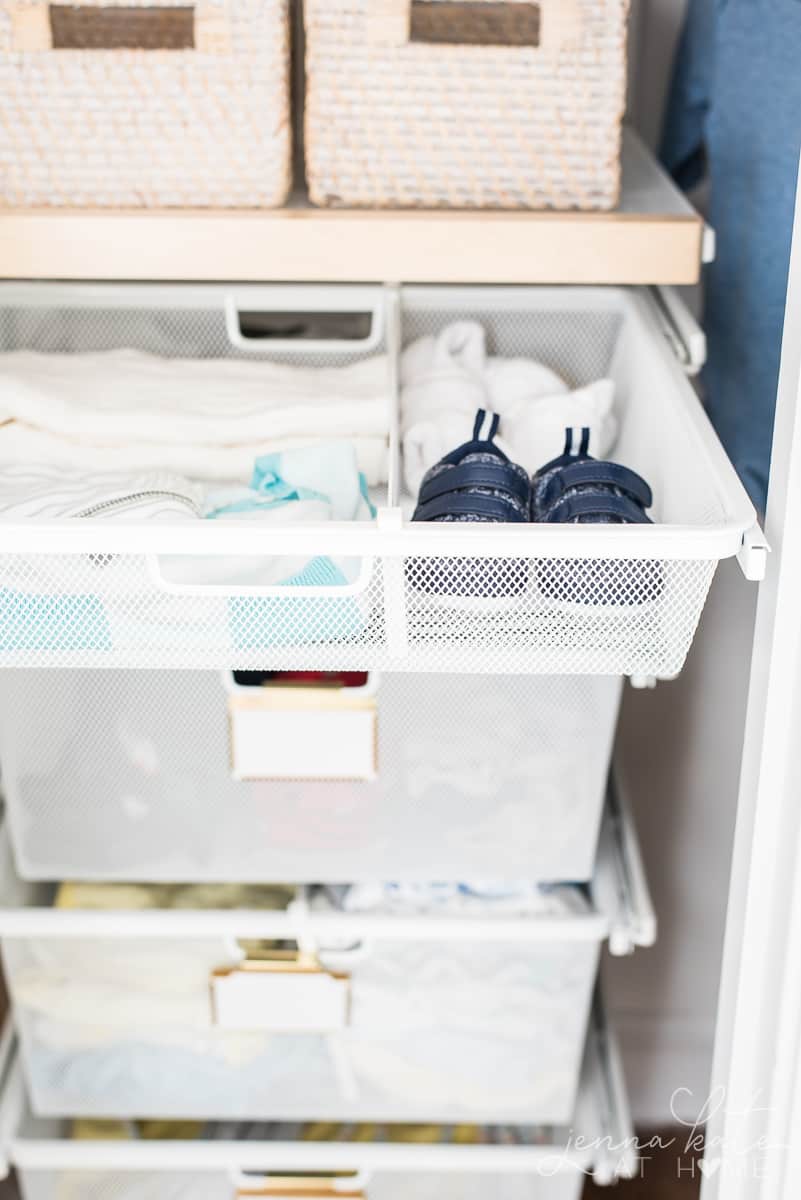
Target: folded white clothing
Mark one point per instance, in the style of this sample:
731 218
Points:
46 492
447 378
222 464
209 418
512 381
442 387
533 422
127 395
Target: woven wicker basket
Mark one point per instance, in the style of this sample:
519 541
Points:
430 103
144 103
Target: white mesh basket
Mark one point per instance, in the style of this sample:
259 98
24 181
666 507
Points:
145 103
338 1161
477 777
546 599
471 1028
497 105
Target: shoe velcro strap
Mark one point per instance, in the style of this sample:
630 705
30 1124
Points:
621 507
591 473
486 508
476 475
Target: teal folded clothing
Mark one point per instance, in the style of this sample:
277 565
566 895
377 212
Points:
312 485
80 602
215 601
31 621
324 477
261 622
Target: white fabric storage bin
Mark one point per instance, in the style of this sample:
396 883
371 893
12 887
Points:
554 599
145 105
131 775
229 1161
499 105
448 1017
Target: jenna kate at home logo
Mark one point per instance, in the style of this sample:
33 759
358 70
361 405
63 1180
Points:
697 1155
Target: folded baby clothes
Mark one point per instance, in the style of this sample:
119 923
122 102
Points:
442 387
445 379
127 896
47 492
207 418
69 604
324 475
471 899
296 487
534 419
301 598
87 1129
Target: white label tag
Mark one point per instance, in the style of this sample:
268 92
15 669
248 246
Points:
274 743
285 1002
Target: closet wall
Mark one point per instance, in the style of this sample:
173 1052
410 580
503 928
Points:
680 751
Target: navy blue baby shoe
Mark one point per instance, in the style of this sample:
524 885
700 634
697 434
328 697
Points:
578 489
477 482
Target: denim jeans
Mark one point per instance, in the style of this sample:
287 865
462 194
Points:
735 110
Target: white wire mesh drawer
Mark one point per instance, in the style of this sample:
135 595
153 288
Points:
519 599
474 1029
277 1161
332 1015
222 1184
130 775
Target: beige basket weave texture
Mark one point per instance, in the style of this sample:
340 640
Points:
477 104
145 103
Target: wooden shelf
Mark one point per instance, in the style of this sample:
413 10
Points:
654 236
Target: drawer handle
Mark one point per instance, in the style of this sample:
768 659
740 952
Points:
88 27
547 25
284 992
159 566
292 329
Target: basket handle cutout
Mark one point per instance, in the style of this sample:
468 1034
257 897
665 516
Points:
90 27
84 27
453 22
547 25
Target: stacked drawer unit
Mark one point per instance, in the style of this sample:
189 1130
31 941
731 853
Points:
479 748
305 1012
257 1022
